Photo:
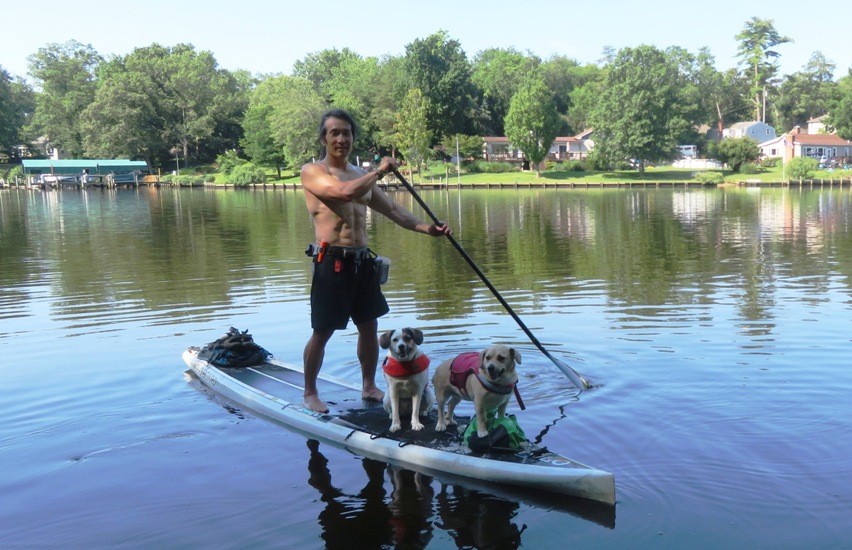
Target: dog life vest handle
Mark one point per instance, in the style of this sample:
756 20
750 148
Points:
575 378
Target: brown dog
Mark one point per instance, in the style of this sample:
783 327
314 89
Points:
487 378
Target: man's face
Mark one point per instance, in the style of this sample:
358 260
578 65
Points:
338 137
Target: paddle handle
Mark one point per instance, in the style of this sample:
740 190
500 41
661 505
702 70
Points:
576 379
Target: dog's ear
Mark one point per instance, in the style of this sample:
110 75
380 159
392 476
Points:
482 357
384 339
516 355
416 335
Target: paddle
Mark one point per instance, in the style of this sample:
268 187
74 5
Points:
576 379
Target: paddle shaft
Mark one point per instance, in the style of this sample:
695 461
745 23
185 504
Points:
576 379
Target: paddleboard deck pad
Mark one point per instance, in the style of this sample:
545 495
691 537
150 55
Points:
274 390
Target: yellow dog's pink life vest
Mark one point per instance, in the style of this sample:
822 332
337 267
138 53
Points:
467 364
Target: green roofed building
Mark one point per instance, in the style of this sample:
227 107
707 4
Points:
94 167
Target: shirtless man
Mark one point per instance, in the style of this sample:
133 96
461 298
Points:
345 283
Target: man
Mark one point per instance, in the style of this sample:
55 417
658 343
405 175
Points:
345 283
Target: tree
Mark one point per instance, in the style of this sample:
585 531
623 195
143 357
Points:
438 67
258 141
320 69
737 151
469 147
412 128
575 88
498 73
157 98
756 53
806 94
802 167
17 102
840 113
66 74
532 122
296 111
640 113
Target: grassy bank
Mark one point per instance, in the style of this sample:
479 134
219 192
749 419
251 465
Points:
656 174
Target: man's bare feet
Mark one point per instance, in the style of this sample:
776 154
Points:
313 403
372 394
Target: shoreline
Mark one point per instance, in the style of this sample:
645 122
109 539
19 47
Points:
431 186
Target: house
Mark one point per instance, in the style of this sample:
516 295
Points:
817 125
563 148
756 130
796 143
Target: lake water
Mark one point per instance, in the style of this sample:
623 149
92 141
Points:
715 323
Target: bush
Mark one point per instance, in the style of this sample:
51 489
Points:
770 162
572 166
802 167
486 167
229 161
750 168
210 178
246 174
710 178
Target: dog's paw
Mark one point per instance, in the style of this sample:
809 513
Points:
482 434
395 427
440 427
417 426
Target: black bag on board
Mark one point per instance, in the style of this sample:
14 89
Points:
235 350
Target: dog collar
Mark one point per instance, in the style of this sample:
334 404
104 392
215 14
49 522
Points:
503 389
393 367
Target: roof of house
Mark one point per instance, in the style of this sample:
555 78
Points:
747 124
820 139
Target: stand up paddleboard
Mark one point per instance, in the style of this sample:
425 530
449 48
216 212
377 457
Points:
274 390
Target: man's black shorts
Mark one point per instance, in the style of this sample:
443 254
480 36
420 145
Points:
344 288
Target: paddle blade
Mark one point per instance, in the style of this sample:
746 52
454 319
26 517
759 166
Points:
573 375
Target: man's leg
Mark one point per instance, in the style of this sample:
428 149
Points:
312 357
368 356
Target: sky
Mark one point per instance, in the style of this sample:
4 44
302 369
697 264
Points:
268 36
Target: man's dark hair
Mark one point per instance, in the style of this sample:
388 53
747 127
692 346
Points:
342 115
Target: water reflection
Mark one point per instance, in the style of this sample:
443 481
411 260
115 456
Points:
406 509
408 516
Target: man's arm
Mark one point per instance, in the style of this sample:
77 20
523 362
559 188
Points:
320 183
381 203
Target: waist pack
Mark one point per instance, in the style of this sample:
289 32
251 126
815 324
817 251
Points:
235 350
504 434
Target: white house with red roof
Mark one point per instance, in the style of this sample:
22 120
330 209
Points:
828 148
563 148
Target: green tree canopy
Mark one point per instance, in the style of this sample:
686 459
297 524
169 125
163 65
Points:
737 151
640 113
806 94
756 51
17 102
439 68
840 114
532 122
498 73
158 98
66 75
412 128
